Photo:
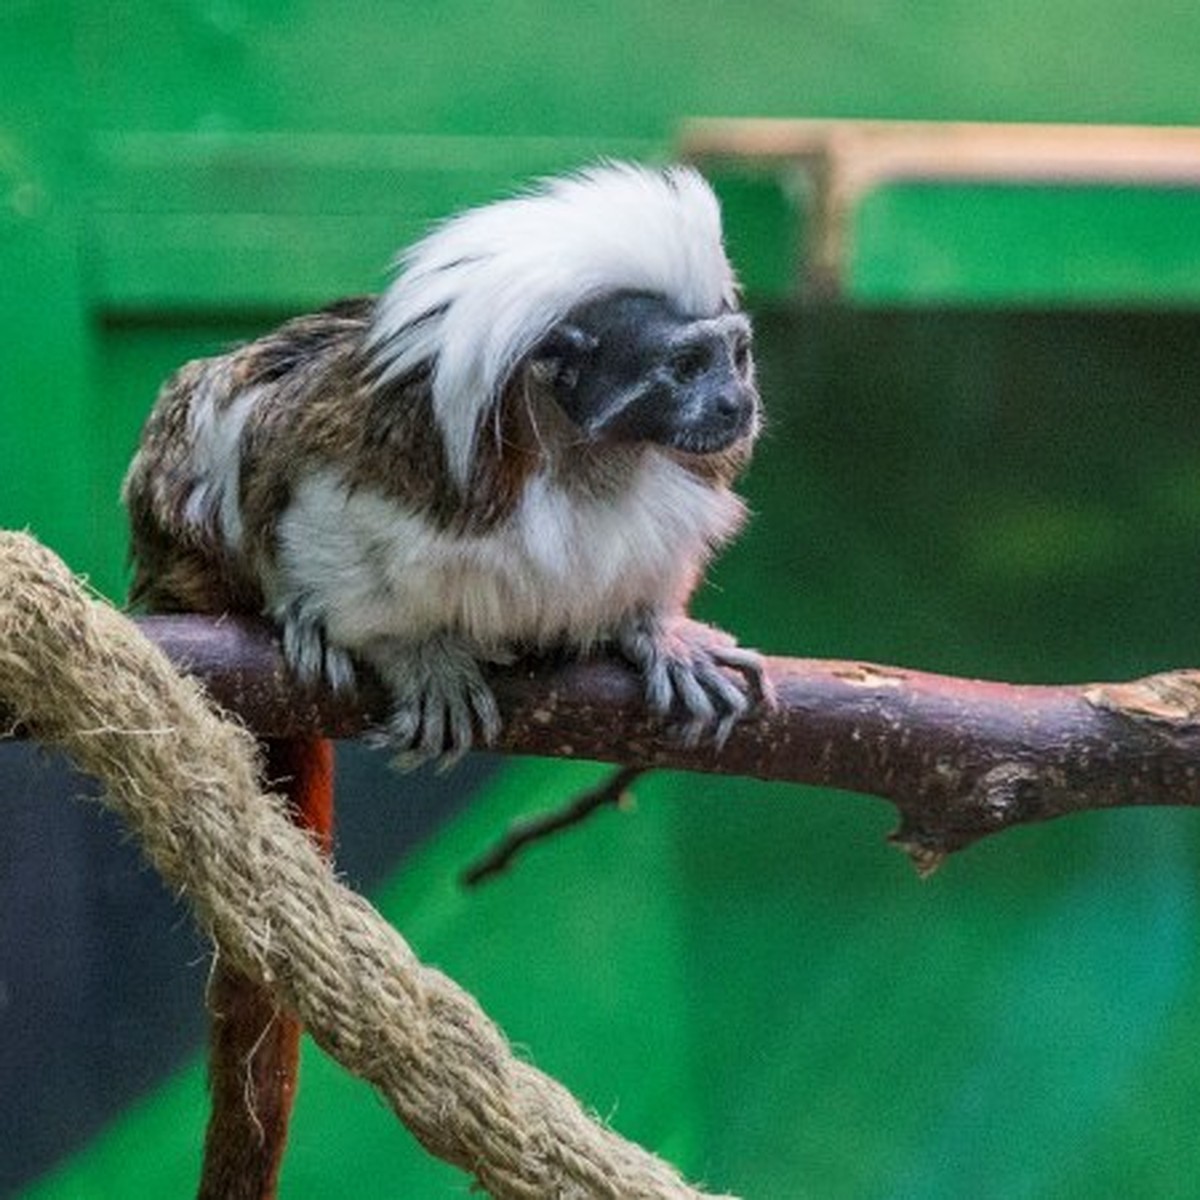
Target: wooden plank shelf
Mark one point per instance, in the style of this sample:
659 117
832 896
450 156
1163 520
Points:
970 213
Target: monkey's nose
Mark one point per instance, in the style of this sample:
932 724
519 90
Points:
732 409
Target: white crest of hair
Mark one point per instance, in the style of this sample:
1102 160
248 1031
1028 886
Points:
479 292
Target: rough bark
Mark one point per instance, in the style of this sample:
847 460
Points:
960 759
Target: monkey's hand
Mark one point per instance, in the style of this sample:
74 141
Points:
694 667
313 658
438 698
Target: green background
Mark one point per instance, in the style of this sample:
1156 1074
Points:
987 462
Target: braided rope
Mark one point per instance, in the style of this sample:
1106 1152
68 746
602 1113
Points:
79 675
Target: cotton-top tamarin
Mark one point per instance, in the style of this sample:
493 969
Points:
527 442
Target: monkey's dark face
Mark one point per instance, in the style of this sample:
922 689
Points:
629 368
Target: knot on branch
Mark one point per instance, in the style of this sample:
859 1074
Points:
1004 795
1007 794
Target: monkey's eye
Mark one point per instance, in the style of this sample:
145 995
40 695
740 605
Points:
741 355
688 364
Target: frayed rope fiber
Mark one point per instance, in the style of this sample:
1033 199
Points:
79 675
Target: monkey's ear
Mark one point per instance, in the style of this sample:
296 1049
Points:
562 350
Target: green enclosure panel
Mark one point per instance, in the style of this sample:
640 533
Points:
940 244
623 68
745 978
280 222
45 419
765 226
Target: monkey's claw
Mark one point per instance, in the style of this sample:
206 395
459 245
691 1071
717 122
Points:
439 700
699 670
311 656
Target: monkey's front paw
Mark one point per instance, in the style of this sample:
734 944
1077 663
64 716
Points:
439 699
312 657
699 669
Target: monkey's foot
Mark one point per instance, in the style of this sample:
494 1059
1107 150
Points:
311 656
701 670
439 699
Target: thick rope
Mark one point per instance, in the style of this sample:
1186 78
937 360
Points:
79 675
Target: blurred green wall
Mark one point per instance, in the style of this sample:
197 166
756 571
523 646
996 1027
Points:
743 977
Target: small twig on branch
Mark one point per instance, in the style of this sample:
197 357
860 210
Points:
523 832
960 759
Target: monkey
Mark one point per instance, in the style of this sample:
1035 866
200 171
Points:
527 442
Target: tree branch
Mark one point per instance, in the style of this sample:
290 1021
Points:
960 759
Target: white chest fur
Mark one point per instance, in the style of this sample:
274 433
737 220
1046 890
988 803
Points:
560 567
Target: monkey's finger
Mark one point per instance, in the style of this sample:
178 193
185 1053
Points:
487 714
730 699
303 650
403 726
406 754
408 761
458 712
432 742
750 666
644 646
694 698
724 729
340 673
656 680
454 730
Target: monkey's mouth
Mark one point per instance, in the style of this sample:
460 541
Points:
712 430
701 442
715 435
